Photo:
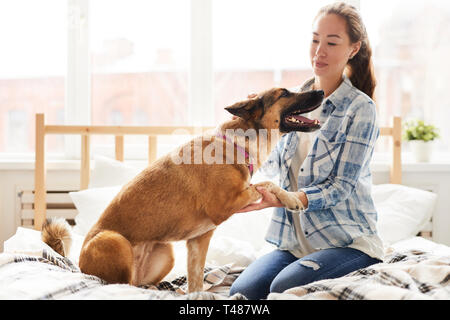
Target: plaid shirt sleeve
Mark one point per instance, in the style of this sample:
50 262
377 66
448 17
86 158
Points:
271 167
361 134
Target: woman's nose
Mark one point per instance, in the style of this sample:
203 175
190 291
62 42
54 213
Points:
320 51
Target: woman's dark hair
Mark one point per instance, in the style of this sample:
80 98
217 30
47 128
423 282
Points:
360 68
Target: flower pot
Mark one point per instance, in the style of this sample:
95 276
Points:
421 150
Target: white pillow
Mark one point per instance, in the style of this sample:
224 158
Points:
402 211
109 172
90 204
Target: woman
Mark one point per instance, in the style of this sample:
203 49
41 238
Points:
328 170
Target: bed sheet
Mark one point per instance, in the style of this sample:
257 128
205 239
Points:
51 276
415 268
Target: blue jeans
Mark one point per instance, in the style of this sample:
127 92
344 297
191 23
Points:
280 270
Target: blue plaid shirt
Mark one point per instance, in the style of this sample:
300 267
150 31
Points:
335 175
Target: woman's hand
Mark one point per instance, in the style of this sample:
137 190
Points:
268 200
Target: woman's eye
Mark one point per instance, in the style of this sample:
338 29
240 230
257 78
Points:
315 41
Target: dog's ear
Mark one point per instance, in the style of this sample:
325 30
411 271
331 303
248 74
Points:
245 108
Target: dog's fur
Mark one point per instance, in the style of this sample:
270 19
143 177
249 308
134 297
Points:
57 234
131 241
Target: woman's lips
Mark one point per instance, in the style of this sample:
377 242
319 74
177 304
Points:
320 64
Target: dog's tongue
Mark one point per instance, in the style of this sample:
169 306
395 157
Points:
306 120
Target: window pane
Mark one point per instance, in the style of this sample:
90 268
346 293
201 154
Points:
259 44
411 44
140 59
32 71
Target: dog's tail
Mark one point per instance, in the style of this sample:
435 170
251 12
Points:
57 234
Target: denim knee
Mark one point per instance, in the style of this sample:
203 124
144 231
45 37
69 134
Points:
235 289
253 290
280 285
243 289
296 274
254 282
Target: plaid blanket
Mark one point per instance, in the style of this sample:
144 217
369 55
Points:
408 275
50 276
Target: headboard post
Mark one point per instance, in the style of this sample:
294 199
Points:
152 144
396 170
119 146
85 161
40 205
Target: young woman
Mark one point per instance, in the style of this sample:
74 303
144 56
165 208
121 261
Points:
328 170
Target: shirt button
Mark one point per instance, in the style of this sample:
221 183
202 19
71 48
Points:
306 232
301 169
324 111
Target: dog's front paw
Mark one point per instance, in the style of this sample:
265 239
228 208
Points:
291 201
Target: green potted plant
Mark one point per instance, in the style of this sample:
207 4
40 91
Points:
420 137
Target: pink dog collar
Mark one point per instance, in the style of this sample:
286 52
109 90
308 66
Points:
240 149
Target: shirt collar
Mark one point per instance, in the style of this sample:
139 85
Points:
341 94
338 97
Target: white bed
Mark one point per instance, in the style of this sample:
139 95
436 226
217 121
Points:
413 268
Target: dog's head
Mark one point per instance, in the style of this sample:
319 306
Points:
281 109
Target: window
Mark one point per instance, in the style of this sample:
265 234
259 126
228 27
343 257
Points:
140 59
32 70
411 46
140 62
16 123
139 53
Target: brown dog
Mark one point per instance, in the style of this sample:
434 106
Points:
176 198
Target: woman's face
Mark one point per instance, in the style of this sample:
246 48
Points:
330 46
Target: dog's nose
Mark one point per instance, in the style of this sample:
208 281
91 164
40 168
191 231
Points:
320 92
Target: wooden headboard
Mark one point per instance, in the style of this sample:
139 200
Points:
42 130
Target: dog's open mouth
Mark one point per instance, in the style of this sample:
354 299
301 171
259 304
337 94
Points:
293 118
296 120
